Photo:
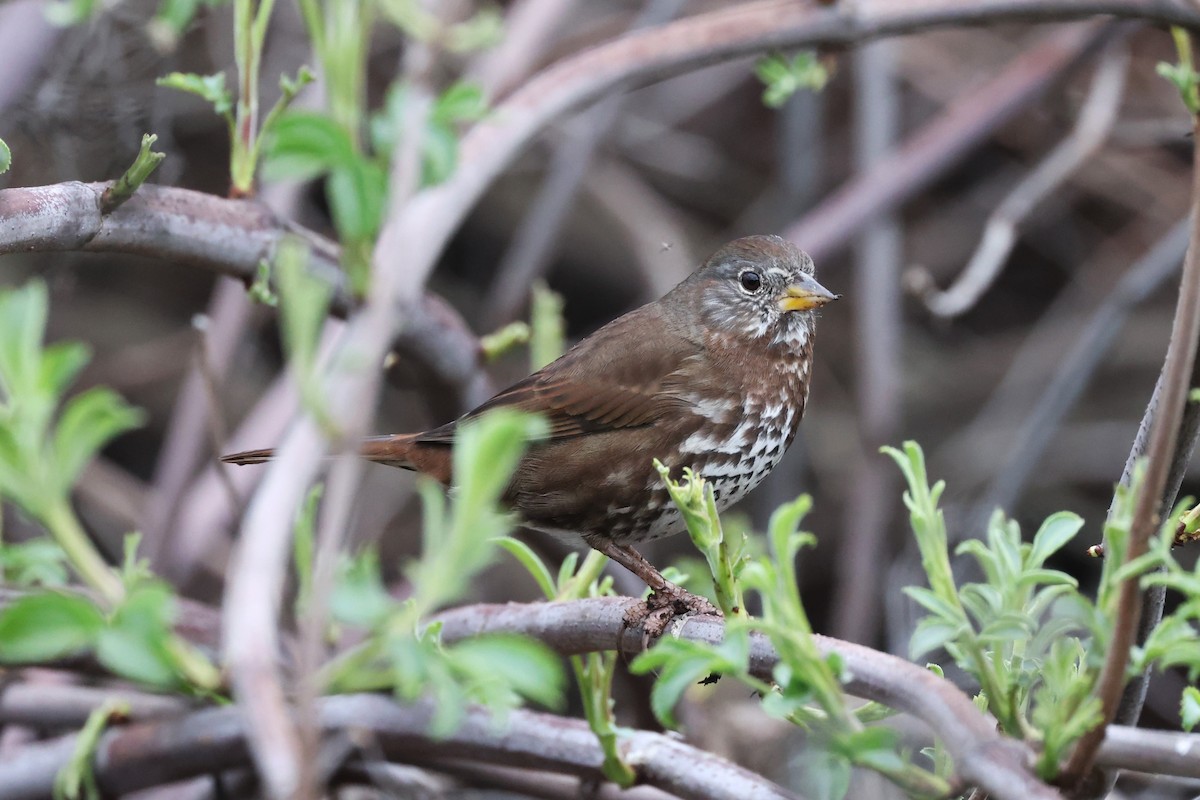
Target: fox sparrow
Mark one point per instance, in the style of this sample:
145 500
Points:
713 376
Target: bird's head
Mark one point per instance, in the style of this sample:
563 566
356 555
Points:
761 287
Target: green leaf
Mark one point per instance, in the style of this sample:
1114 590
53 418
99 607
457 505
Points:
60 363
1189 707
359 596
357 193
5 157
462 102
783 78
874 748
35 562
484 29
177 15
210 87
932 634
70 12
1007 627
526 666
935 605
136 642
88 422
824 775
673 681
305 144
982 600
46 626
22 324
303 304
134 654
1057 530
548 329
533 564
439 155
304 532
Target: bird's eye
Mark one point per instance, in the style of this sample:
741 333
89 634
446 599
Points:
750 280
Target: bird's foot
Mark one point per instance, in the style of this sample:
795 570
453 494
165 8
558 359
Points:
665 604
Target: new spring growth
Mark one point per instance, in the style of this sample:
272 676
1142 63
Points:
695 500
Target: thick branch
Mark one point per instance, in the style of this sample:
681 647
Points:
228 237
149 754
982 756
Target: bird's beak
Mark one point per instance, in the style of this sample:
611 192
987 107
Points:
804 294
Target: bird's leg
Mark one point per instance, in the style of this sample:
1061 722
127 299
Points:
666 600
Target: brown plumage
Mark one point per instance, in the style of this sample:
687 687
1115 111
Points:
714 376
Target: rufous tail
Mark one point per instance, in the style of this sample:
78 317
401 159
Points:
396 451
249 457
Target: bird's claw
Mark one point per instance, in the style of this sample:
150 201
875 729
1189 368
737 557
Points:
665 604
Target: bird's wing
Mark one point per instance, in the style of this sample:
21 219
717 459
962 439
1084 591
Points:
613 379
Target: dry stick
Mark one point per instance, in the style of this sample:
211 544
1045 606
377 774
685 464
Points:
528 28
206 515
964 124
182 447
1099 783
1155 752
536 238
345 477
528 783
65 706
258 574
1181 354
27 40
878 338
149 754
1000 233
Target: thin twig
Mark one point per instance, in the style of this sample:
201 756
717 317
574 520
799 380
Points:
252 604
528 29
1176 381
879 340
965 122
536 238
1000 232
183 442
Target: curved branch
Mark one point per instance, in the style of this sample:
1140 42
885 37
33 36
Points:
149 754
420 231
982 756
228 237
1000 233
